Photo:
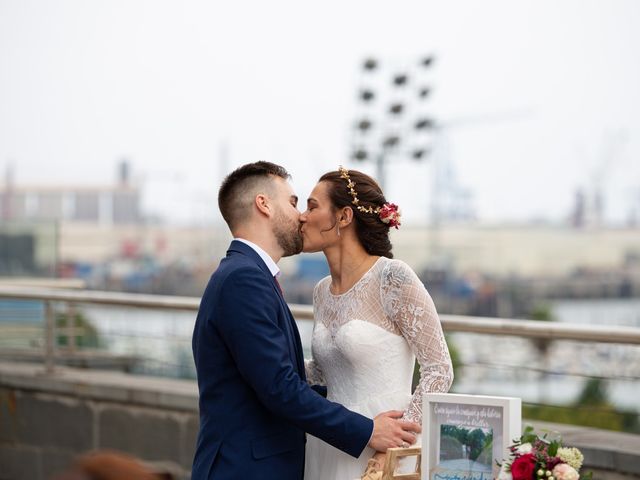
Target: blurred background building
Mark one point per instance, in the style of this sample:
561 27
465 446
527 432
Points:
116 204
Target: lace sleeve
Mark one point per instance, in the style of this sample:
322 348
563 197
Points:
312 369
410 308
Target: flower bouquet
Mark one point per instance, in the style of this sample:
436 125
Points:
539 458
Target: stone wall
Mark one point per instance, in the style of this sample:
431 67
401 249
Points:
45 421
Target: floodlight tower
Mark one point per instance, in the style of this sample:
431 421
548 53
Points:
392 122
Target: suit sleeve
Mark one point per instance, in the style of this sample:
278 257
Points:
247 321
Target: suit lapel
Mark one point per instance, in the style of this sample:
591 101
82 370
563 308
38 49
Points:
291 329
294 336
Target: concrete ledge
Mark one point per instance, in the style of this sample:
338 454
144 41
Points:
602 449
152 410
102 385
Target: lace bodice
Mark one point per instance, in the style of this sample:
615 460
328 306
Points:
365 341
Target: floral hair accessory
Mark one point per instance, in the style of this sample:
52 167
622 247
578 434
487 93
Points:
389 213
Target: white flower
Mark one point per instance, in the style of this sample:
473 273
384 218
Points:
572 456
504 475
524 449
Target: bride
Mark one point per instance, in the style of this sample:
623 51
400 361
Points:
373 317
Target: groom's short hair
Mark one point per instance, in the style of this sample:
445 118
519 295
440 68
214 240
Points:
240 187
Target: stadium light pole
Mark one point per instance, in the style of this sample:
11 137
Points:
393 119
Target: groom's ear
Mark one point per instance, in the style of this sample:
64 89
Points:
263 204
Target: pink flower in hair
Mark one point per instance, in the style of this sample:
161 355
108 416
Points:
390 213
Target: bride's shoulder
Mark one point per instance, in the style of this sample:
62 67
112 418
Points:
395 266
322 285
324 282
396 271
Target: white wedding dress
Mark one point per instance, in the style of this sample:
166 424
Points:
364 346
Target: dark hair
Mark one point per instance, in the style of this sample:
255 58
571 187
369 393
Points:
372 232
239 188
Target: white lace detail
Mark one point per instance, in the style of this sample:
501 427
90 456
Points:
314 373
365 341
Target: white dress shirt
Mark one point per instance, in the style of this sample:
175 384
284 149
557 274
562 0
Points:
271 265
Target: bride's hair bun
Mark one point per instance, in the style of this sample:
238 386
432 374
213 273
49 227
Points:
372 233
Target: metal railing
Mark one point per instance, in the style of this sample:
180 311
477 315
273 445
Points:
56 304
450 323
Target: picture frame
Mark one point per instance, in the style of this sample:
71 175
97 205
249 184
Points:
464 435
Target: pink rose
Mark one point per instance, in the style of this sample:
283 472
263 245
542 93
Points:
564 471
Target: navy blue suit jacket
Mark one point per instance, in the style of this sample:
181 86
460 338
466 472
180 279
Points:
255 404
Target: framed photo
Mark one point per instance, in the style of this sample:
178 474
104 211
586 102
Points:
464 435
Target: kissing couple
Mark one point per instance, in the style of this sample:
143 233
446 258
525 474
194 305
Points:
373 317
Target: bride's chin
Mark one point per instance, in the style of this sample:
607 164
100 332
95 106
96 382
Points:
307 248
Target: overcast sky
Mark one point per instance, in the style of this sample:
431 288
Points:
549 89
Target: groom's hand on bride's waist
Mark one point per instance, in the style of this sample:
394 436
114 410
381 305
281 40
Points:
389 431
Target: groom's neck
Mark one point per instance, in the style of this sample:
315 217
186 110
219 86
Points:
262 238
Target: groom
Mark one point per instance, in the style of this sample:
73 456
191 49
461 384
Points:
255 404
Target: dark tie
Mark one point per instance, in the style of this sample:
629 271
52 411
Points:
275 277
